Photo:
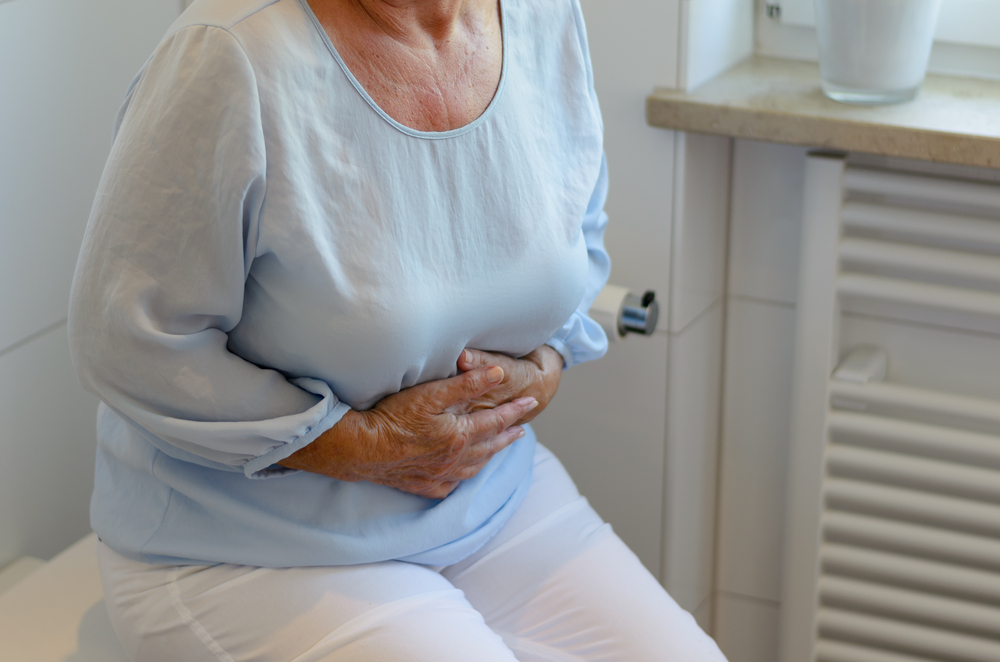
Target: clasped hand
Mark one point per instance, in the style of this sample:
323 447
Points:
428 438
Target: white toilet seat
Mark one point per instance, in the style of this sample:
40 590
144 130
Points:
57 613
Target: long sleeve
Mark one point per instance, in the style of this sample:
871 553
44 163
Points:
161 275
581 338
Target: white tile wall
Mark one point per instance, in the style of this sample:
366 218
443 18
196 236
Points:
703 614
755 427
719 34
47 442
693 408
766 216
762 288
746 629
764 240
629 57
606 425
67 65
701 219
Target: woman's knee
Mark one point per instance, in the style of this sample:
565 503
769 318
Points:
434 628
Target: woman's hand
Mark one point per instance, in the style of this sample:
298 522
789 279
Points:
534 375
422 440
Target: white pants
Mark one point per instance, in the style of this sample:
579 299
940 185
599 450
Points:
556 584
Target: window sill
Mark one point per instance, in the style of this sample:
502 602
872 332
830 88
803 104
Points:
952 120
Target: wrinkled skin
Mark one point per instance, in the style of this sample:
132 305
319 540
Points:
428 438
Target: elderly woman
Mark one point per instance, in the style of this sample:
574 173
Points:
324 232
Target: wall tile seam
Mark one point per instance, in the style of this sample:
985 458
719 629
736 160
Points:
677 186
32 337
705 600
749 298
723 584
767 602
713 616
676 212
705 312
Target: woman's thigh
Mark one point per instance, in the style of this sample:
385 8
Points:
554 584
558 585
227 613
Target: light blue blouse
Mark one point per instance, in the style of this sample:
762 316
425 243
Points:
268 249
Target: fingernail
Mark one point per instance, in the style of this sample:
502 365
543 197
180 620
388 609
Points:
532 404
521 433
468 356
494 374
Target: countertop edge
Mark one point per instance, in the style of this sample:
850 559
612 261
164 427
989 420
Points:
694 113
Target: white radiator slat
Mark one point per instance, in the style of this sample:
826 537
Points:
920 225
910 605
839 651
916 438
906 637
913 472
912 539
920 295
912 505
959 411
979 270
899 558
919 188
906 571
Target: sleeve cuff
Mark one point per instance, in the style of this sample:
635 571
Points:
266 465
563 350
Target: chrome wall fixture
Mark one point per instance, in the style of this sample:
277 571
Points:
620 312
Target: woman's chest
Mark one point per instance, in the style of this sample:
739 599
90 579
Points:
381 254
372 331
378 207
374 271
425 81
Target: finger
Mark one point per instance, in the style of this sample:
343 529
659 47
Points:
441 490
494 445
478 453
470 471
453 390
486 423
470 359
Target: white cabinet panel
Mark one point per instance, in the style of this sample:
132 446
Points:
766 216
746 630
701 219
66 67
755 447
695 357
47 441
606 425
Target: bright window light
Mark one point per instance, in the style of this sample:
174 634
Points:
970 22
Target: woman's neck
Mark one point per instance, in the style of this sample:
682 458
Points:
417 22
432 65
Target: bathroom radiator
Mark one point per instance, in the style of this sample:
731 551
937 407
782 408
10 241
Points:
892 549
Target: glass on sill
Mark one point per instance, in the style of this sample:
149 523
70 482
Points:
874 51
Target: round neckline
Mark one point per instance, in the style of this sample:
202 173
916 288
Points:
416 133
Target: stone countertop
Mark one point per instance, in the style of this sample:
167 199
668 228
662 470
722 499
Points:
952 120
